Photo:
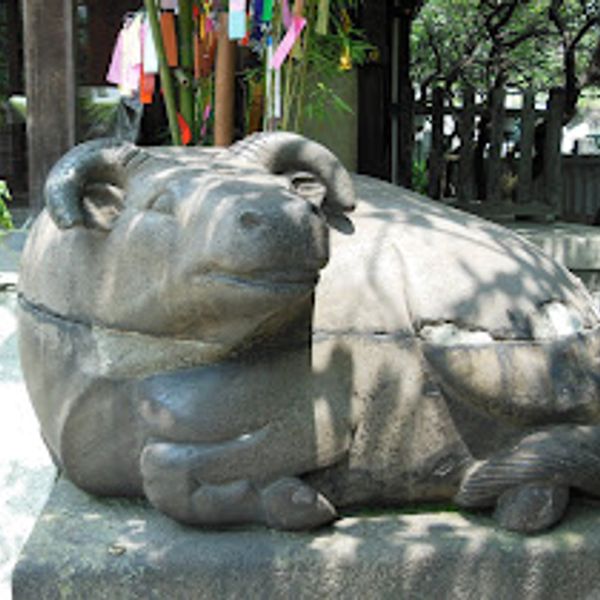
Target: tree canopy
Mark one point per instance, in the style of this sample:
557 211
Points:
518 43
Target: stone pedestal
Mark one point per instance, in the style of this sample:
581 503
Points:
83 547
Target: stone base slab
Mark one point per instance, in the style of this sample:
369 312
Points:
83 547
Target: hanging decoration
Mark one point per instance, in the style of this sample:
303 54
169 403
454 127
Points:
237 19
171 45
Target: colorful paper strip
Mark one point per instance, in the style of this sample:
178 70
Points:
237 19
267 14
288 41
167 26
286 13
237 26
150 57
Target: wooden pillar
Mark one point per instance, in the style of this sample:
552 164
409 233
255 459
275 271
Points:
49 40
466 161
14 40
525 172
224 85
552 150
405 97
374 95
436 155
494 164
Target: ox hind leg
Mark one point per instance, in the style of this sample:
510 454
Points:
173 482
529 484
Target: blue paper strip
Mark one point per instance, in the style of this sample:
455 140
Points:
237 25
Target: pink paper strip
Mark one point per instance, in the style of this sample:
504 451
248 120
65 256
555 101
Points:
288 41
286 14
115 69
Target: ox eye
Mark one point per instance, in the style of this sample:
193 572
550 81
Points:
163 203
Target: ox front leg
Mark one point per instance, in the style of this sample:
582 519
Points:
171 482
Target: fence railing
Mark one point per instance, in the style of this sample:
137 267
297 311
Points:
492 178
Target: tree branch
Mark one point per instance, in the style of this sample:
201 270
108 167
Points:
584 29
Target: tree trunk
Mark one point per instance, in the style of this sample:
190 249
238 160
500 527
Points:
552 150
436 155
466 128
494 161
524 187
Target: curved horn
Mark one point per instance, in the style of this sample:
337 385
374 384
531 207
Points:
108 160
282 151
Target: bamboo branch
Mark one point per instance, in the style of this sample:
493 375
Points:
165 73
186 52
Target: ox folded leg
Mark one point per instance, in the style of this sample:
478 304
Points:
529 483
173 483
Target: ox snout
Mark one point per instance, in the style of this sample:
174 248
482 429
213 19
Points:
290 235
277 237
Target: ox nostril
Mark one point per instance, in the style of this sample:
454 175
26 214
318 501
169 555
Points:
315 209
250 219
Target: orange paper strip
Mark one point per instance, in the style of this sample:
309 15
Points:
147 82
167 26
184 128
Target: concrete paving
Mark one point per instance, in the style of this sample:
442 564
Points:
26 471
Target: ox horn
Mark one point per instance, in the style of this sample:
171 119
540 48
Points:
107 160
283 152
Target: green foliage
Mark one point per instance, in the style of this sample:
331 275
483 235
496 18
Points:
420 178
6 221
324 57
308 89
515 42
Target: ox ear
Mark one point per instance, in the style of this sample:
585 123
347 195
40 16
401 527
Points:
285 152
101 205
84 188
308 187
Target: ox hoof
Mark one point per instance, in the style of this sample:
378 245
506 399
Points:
531 507
290 504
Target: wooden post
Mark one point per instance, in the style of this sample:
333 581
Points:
466 131
374 97
524 183
436 155
51 88
406 136
494 164
14 41
224 85
552 157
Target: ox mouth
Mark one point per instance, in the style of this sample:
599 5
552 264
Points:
281 281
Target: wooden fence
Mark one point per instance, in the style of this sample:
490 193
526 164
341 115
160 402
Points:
488 177
581 189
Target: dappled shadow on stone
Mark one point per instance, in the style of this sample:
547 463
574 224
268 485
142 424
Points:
95 547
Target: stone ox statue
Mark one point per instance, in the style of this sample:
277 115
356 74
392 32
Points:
211 330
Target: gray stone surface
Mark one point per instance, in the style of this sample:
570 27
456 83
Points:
88 549
574 245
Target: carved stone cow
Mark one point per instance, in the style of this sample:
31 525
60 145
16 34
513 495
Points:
213 331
